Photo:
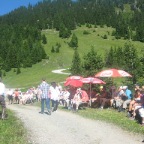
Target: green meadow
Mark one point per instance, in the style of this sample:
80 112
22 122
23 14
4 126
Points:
32 76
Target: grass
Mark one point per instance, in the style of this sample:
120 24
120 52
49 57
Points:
12 130
32 76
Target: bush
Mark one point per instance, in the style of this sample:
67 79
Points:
86 32
105 37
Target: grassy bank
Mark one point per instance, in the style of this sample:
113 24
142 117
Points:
12 130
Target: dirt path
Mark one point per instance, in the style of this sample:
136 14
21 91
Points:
68 128
60 71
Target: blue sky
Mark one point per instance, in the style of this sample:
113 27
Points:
8 5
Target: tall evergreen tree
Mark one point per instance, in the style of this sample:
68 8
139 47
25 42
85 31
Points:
44 40
76 68
92 62
74 41
132 62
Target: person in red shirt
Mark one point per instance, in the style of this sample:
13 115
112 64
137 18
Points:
16 95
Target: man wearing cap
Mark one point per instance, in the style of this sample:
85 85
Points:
2 99
128 95
137 87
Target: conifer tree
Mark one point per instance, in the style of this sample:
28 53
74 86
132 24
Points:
44 40
74 41
92 62
18 71
132 62
76 68
52 49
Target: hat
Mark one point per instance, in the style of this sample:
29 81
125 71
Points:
101 87
136 84
79 89
123 87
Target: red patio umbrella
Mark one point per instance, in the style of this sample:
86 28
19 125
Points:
113 73
92 80
74 83
74 77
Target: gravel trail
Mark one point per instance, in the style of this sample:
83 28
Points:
68 128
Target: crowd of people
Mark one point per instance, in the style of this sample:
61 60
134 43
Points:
70 98
16 96
121 99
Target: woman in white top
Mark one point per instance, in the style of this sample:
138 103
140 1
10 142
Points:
54 95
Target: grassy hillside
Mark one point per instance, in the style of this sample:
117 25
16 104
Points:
32 76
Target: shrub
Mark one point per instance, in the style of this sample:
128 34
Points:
86 32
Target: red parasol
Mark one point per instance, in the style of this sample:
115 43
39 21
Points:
113 73
92 80
74 83
74 77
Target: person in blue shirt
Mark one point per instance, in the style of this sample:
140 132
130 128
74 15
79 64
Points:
44 87
128 98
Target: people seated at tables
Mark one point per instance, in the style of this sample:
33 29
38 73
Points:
139 105
114 92
137 87
134 102
76 99
85 97
80 97
105 97
95 100
64 97
96 97
72 90
117 99
61 102
126 98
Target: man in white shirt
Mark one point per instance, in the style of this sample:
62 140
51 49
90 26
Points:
54 94
2 99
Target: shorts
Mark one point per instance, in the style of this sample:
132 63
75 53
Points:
10 97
